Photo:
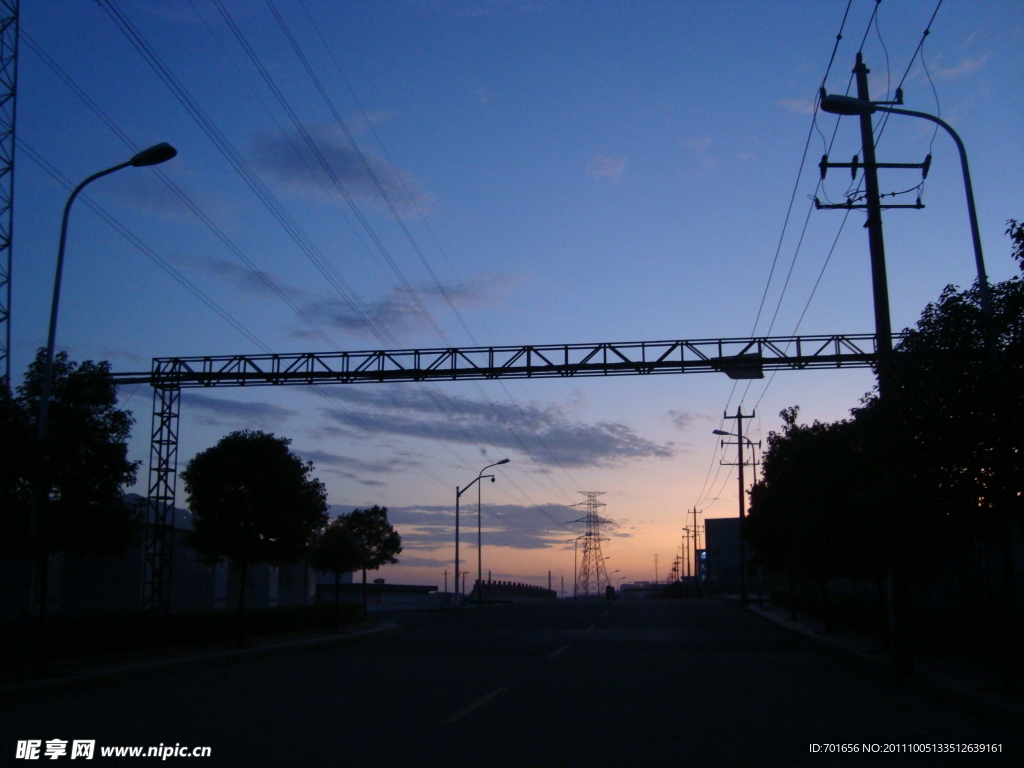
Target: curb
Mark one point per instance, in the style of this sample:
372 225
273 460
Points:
976 703
192 660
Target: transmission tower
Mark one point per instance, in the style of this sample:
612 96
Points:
593 574
8 93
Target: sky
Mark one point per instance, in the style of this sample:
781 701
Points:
432 173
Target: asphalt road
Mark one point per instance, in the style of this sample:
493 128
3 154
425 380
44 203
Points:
655 683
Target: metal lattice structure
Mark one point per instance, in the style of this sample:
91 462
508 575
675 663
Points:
163 473
593 573
738 358
8 102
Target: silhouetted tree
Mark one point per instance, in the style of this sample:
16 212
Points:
253 501
377 542
336 551
78 475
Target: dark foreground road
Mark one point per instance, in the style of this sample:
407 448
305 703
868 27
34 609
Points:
657 683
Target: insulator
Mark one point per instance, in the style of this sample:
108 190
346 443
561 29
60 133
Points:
823 165
853 168
925 166
899 95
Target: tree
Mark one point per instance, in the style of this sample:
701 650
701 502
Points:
252 501
335 551
76 477
377 542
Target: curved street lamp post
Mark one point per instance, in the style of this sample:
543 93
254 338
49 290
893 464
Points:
159 153
479 537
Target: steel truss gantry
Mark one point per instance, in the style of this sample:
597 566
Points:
739 358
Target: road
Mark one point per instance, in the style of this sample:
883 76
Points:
654 683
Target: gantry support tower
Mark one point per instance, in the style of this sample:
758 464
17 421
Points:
8 100
593 574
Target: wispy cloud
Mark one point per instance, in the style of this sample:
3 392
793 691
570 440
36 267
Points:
700 146
962 67
797 106
606 167
399 310
291 160
537 526
683 420
246 279
355 469
214 410
549 434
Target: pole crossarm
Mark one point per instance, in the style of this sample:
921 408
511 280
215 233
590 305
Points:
511 362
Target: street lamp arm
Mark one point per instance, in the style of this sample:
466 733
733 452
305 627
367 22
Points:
848 105
986 305
461 491
51 338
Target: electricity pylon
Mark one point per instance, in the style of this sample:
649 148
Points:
593 573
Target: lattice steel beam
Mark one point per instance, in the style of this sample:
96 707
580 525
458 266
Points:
740 358
163 469
8 101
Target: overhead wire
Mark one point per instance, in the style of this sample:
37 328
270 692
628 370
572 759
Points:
371 173
782 235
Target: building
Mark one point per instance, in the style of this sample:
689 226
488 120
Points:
722 539
90 584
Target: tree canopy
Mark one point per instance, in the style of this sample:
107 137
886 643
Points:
81 470
253 500
336 549
377 543
945 453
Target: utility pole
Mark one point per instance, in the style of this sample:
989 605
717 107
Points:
446 580
899 584
739 417
655 567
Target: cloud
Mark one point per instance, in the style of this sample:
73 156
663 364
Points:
538 526
606 167
291 160
797 106
355 469
399 309
963 67
546 433
682 420
247 280
214 410
700 146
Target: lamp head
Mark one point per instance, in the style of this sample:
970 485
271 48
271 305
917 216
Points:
846 105
159 153
503 461
719 432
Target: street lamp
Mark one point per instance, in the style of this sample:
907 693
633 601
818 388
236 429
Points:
159 153
480 562
848 105
744 593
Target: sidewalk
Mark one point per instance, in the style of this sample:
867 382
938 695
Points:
81 673
966 682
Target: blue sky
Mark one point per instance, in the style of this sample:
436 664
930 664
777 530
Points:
554 172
